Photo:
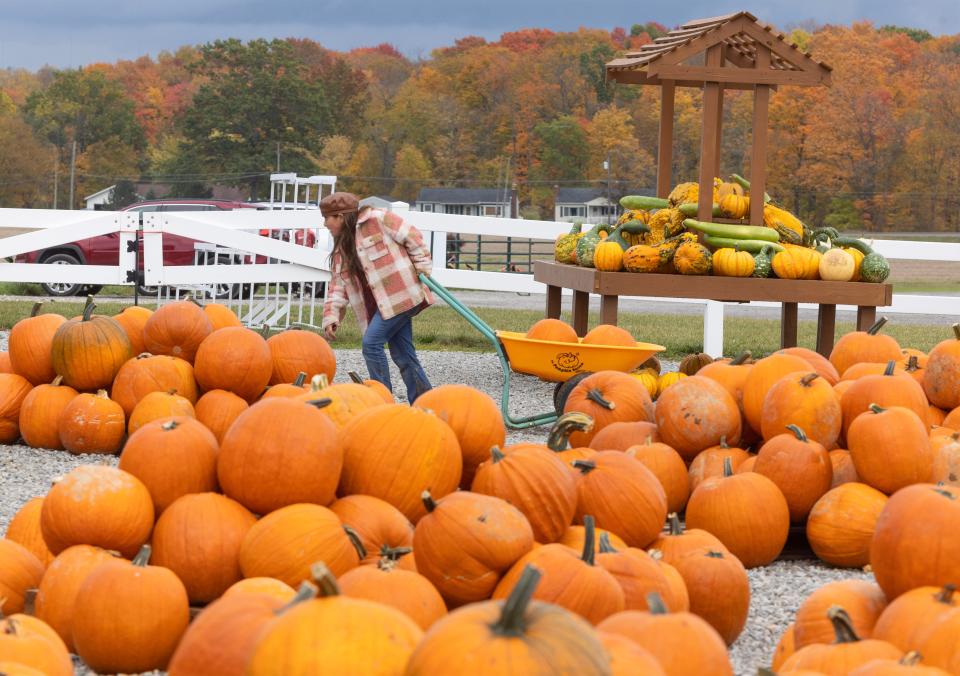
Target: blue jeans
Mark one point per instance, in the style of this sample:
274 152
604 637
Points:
398 332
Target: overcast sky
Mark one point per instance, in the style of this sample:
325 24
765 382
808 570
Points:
70 33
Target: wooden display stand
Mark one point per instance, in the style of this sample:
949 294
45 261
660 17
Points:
789 292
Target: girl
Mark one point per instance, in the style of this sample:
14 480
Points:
374 266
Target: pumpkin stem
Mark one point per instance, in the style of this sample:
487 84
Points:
12 627
300 379
305 592
956 331
322 380
673 521
913 363
605 546
891 365
713 554
170 425
585 466
88 309
911 659
876 408
144 355
324 579
321 403
798 433
394 553
512 620
946 594
36 309
264 330
56 381
723 441
496 454
808 379
356 542
589 541
567 424
727 467
875 329
355 377
842 625
649 441
655 554
596 396
743 357
944 492
30 601
655 603
143 556
428 501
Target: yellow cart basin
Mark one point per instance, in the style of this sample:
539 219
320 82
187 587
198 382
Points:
557 362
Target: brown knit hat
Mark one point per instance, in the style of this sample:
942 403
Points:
339 203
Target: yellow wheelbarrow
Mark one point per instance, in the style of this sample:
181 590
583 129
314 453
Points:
549 360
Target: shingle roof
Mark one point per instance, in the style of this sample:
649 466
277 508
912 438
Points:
464 195
579 195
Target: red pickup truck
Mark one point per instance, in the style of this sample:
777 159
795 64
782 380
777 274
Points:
105 249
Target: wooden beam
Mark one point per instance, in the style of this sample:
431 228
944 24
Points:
639 77
699 45
767 76
708 139
787 52
737 58
719 149
665 148
758 155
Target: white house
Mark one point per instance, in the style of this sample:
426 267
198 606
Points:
99 197
587 205
468 201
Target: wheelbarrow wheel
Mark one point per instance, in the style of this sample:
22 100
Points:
563 390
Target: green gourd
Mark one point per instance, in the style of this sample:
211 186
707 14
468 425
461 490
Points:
874 268
565 249
631 227
763 262
587 245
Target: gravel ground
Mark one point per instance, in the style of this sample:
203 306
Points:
777 590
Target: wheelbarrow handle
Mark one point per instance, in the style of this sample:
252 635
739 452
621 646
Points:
461 309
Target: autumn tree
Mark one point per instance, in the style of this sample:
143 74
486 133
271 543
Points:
411 170
26 166
612 140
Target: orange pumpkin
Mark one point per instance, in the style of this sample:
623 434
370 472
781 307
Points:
800 467
940 380
267 586
669 468
608 397
718 588
841 524
407 591
379 525
20 570
763 376
92 423
863 602
89 351
731 374
13 391
286 542
5 366
235 359
930 517
620 436
608 334
198 537
30 343
221 316
575 538
129 616
845 654
57 595
946 459
678 541
938 642
843 468
177 329
152 373
626 657
910 615
294 389
29 644
159 406
786 646
218 409
636 572
97 505
132 320
537 483
747 513
473 416
374 385
883 390
398 469
864 346
280 452
553 330
817 362
295 350
341 402
695 414
805 400
40 414
709 462
24 529
890 448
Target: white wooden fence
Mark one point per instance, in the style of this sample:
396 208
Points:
255 259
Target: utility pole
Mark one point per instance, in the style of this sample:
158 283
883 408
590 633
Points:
56 177
73 166
278 157
606 165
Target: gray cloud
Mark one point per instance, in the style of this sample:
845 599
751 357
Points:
70 34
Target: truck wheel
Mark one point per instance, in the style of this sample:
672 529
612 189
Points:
61 289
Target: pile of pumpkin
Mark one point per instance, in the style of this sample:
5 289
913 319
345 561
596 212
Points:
655 235
330 529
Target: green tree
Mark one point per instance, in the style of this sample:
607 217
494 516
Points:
83 106
411 169
123 194
564 149
915 34
254 97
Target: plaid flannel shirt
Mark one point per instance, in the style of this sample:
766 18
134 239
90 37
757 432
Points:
392 254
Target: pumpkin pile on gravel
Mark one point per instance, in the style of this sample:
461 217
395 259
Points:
324 528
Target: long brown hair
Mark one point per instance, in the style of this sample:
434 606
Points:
346 245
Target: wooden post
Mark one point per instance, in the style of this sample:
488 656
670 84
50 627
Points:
665 149
758 156
788 325
718 154
826 328
608 309
553 301
708 137
866 317
581 312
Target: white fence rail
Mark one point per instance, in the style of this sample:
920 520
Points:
231 249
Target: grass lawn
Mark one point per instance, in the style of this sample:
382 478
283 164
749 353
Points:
440 328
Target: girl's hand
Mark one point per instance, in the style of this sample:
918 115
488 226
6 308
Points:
330 333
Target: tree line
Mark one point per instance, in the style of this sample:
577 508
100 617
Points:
878 150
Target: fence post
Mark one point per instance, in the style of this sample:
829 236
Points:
713 329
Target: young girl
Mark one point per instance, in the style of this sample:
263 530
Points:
374 266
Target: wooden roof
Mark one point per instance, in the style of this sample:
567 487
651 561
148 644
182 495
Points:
752 53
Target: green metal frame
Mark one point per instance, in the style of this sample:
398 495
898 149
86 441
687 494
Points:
488 333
